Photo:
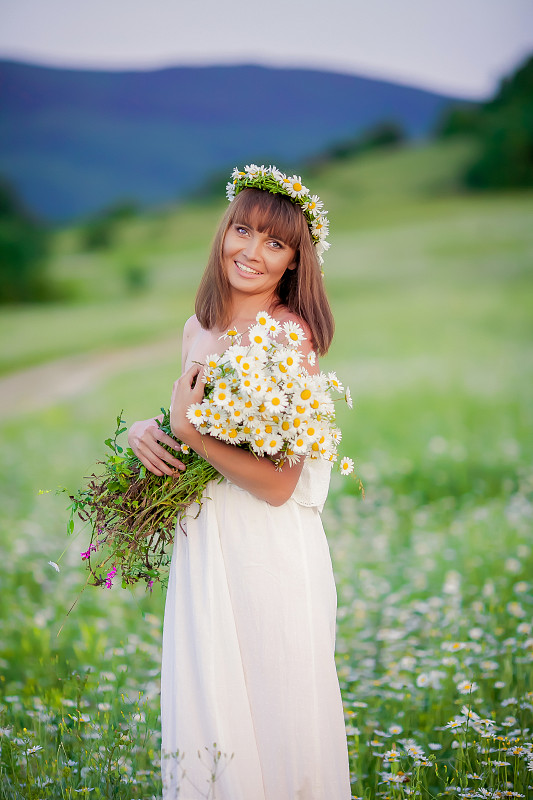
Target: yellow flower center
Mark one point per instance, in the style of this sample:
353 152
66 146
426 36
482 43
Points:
198 412
297 186
275 401
306 394
285 425
293 336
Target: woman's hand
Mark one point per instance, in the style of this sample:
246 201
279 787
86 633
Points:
144 438
187 390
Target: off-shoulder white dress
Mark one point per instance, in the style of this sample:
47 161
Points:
248 667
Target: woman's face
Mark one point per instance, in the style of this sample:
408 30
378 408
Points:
254 262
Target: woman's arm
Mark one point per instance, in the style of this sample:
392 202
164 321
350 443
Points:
258 476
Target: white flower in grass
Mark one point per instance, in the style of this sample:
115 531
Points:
54 565
467 687
293 332
295 187
346 465
395 730
185 449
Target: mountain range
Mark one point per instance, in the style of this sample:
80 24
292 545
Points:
73 142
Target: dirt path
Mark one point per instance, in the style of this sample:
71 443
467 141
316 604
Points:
39 387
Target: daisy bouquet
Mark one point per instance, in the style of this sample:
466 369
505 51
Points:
259 395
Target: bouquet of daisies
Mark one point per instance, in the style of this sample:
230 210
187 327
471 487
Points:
258 395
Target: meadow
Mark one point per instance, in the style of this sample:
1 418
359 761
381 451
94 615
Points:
432 292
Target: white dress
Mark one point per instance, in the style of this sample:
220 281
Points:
248 667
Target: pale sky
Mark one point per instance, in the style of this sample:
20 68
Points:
460 47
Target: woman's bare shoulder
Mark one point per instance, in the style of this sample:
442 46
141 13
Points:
190 330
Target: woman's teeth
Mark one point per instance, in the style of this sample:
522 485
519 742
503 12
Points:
247 269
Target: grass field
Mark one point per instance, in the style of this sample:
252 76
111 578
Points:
432 294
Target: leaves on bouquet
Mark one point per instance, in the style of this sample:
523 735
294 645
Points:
132 513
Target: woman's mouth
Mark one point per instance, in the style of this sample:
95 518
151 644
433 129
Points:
245 269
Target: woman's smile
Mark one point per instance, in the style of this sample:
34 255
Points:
255 257
246 269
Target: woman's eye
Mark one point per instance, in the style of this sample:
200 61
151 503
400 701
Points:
240 229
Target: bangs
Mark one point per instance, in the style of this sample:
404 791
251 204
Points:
273 214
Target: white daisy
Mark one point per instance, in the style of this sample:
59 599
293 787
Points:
252 170
348 397
334 382
295 187
264 319
273 444
221 392
275 401
293 332
258 336
230 191
195 413
346 465
311 358
314 205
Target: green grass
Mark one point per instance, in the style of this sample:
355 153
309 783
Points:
432 299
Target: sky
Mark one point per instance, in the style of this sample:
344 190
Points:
458 47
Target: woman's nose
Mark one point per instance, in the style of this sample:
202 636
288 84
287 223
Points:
251 249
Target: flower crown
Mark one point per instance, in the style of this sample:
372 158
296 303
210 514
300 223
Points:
271 179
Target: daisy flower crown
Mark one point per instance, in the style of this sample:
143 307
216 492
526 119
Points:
271 179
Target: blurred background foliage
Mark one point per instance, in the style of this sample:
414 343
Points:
430 279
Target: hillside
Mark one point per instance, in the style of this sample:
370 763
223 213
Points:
74 141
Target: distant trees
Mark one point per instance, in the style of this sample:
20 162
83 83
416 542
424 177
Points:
99 232
385 134
24 245
504 129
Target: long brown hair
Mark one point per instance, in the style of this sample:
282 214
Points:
301 289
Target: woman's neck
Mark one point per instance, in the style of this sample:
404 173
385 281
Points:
244 312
